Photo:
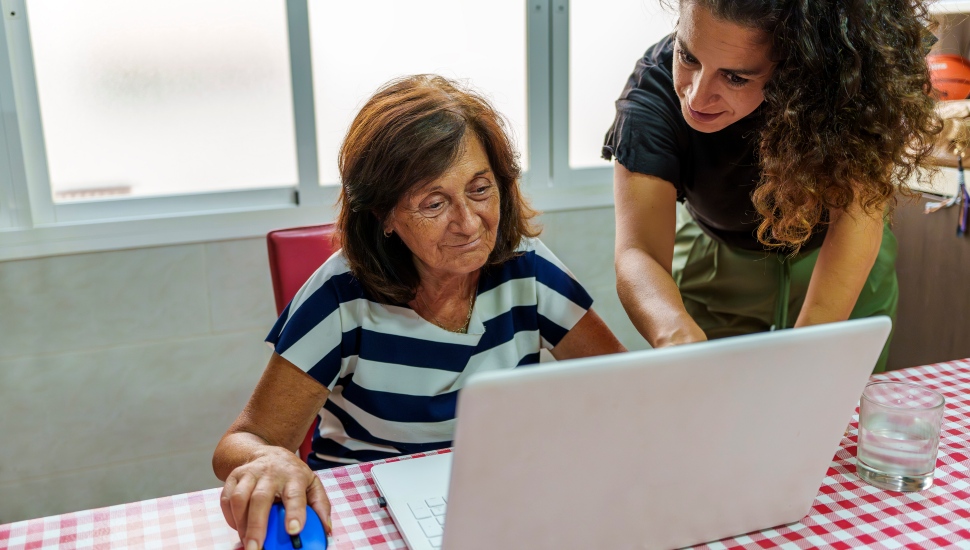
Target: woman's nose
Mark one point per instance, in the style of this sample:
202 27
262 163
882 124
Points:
463 216
702 93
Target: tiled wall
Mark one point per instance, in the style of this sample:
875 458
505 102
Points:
119 371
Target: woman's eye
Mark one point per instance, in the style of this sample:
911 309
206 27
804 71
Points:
480 189
686 58
735 80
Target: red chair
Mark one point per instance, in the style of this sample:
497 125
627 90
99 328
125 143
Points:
294 254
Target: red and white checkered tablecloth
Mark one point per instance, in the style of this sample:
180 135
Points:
846 513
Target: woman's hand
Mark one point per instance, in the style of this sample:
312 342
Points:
251 489
256 456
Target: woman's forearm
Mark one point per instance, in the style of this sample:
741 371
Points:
847 255
652 301
646 221
277 417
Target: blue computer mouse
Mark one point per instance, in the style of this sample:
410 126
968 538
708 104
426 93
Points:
312 537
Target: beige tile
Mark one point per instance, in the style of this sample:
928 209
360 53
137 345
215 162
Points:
240 287
81 410
85 301
107 485
600 276
607 305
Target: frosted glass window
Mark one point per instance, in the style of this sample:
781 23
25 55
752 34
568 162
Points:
606 38
165 97
358 46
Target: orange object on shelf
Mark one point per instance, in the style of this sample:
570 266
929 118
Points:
950 75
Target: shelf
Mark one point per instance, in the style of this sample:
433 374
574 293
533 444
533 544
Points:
950 6
943 183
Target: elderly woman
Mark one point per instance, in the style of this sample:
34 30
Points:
440 276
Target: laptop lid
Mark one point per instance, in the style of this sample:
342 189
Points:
659 448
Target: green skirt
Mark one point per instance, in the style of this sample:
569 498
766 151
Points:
730 292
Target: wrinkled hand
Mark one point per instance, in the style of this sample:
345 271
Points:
251 489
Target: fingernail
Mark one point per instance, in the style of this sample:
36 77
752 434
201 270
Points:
251 544
329 525
294 527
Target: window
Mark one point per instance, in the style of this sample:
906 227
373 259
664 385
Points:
140 123
163 98
603 49
6 184
484 44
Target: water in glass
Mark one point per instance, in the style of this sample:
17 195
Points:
899 449
899 435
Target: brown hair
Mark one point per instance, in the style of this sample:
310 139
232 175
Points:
409 133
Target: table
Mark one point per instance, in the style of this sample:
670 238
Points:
846 512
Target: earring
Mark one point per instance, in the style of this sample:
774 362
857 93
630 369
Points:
387 233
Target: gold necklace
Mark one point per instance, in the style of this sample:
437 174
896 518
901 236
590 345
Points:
463 329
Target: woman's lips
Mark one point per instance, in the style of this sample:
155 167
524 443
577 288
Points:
468 245
702 117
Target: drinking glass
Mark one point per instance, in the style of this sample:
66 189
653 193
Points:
899 435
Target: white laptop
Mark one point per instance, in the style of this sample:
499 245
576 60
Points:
652 449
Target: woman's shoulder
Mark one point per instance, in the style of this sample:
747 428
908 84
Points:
540 265
529 248
334 267
660 56
649 134
653 73
333 277
532 255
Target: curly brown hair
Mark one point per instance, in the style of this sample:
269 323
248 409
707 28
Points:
849 111
409 133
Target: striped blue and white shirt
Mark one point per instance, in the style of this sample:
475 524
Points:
393 376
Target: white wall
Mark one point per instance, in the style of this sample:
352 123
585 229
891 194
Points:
119 371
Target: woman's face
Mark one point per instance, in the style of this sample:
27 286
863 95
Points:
720 69
450 224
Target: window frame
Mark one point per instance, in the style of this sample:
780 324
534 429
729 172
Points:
11 195
33 225
563 174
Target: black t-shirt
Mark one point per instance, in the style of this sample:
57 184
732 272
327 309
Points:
714 173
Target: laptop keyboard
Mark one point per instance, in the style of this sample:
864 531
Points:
430 514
